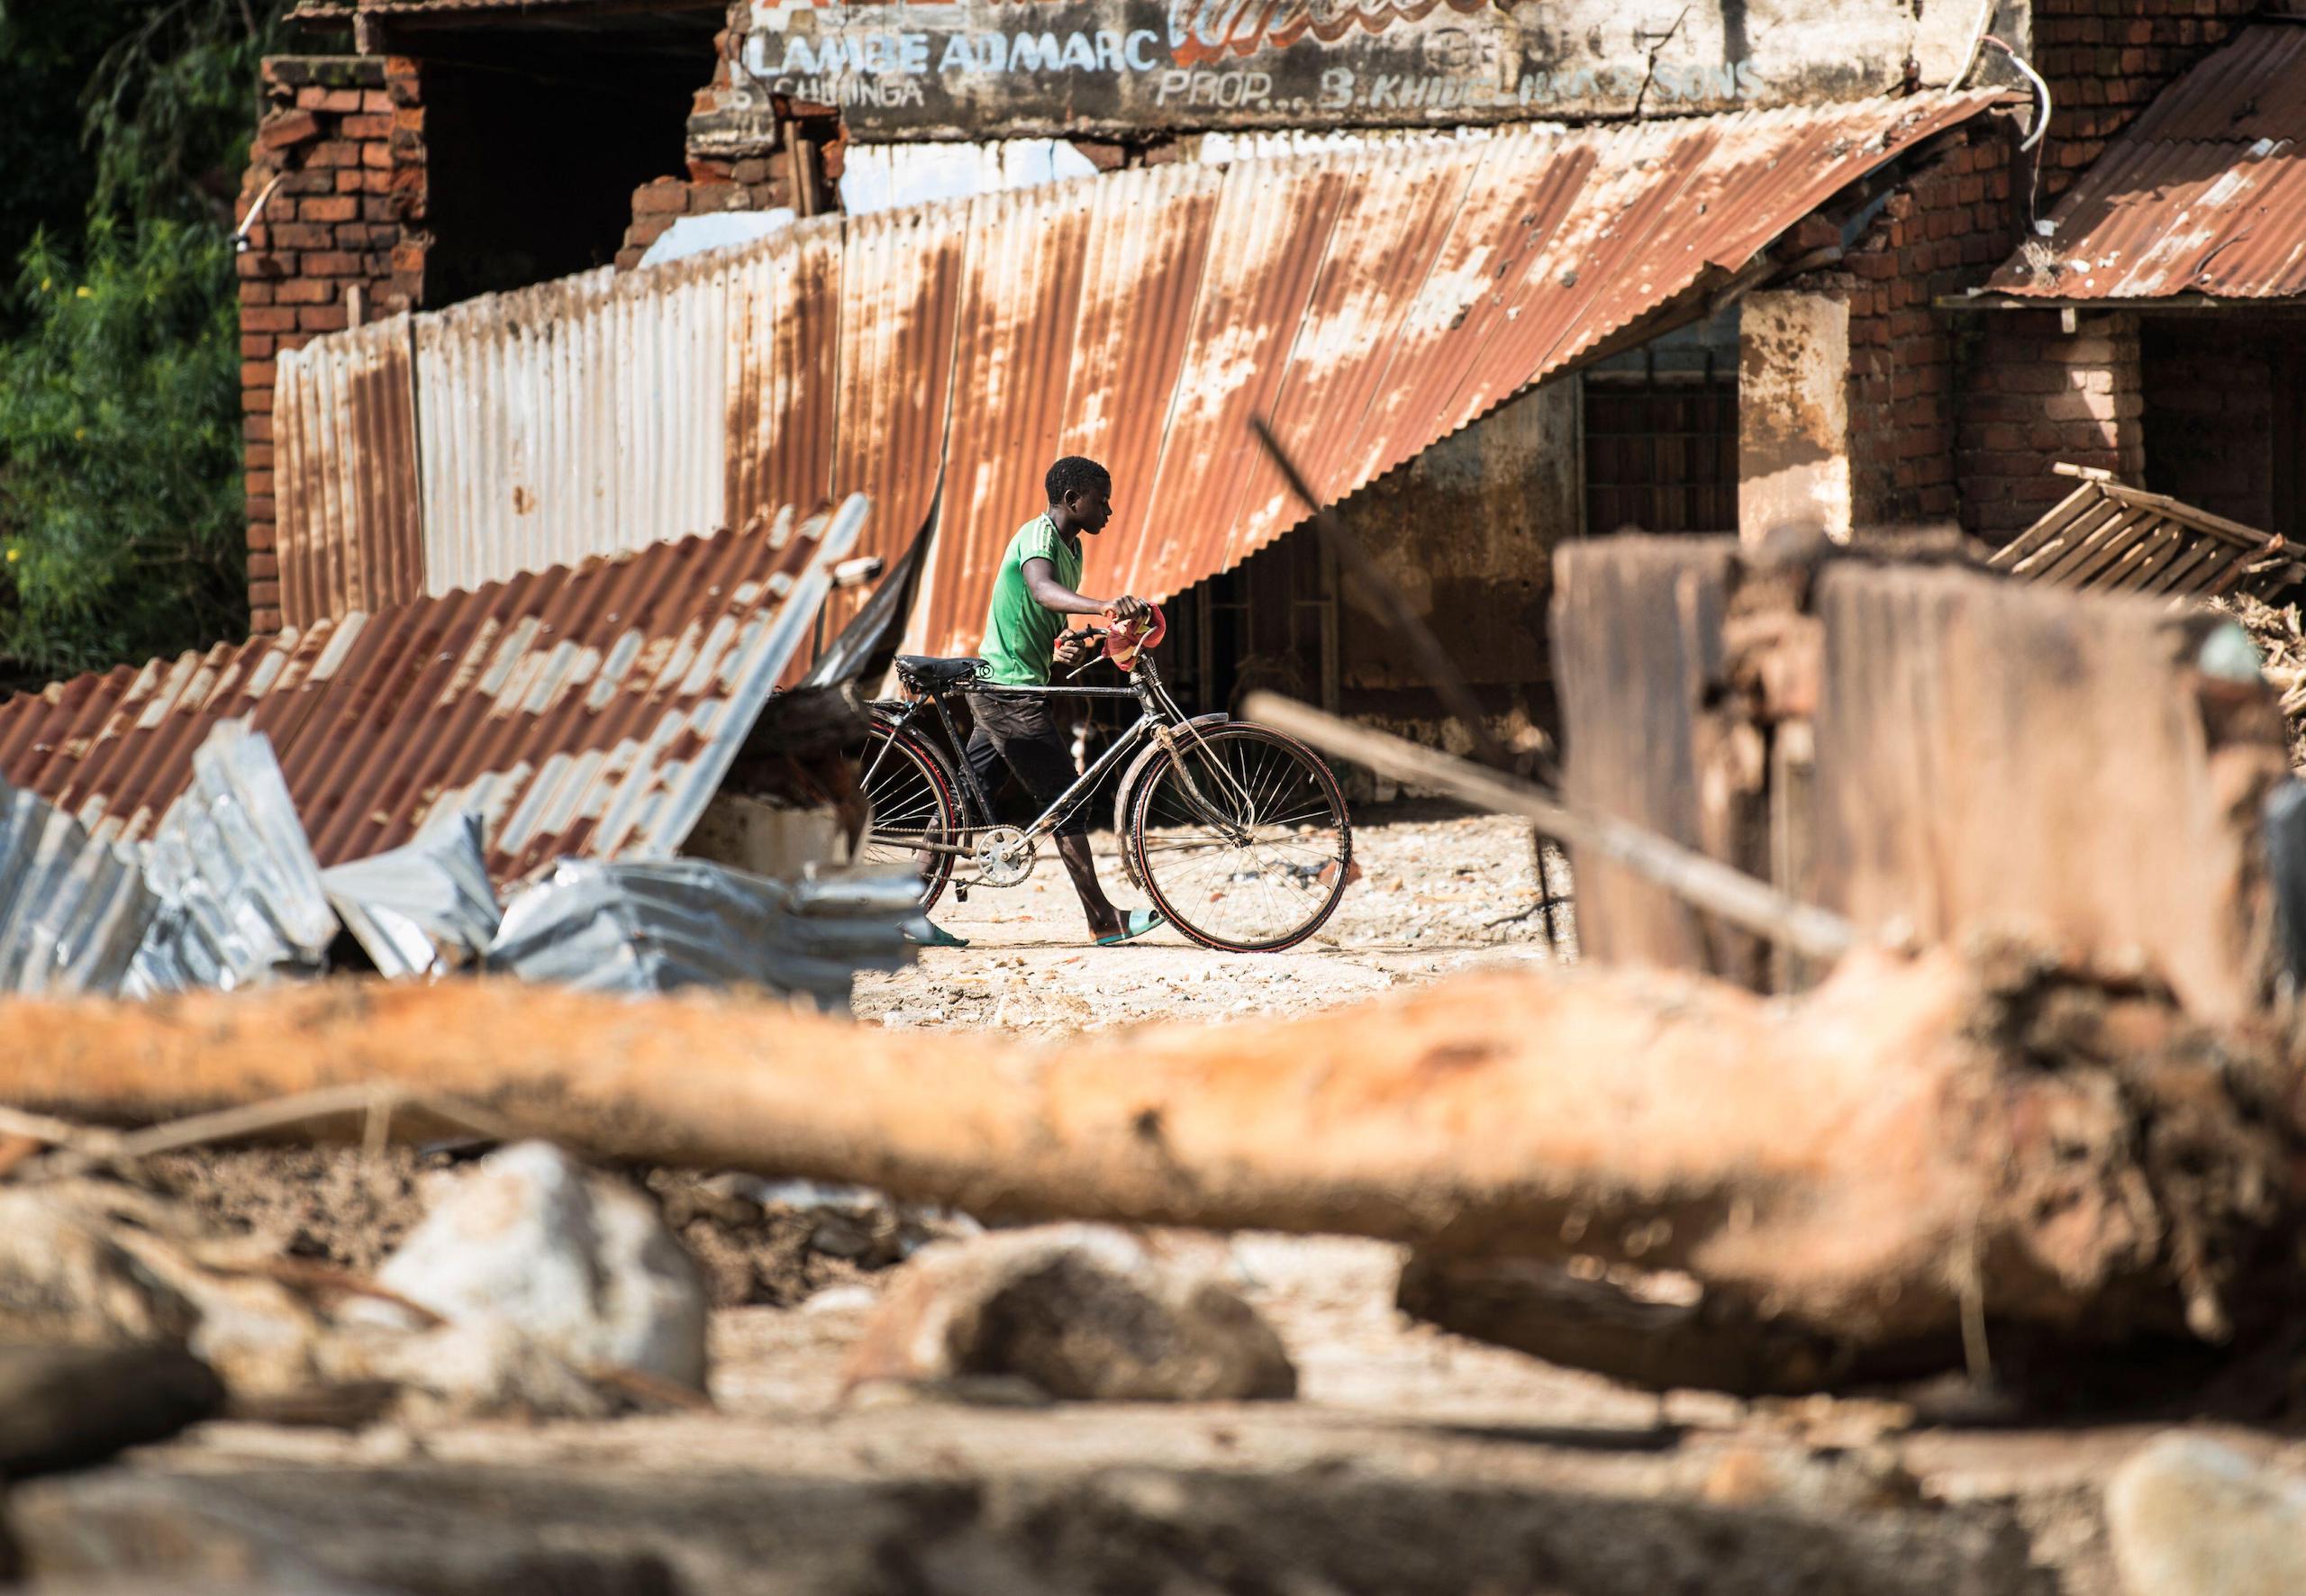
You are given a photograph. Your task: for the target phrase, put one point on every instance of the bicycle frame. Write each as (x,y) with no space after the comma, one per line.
(1152,722)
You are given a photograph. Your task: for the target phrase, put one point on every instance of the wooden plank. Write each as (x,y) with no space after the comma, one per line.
(1637,634)
(2145,554)
(2072,569)
(2067,511)
(2080,536)
(2184,569)
(1979,749)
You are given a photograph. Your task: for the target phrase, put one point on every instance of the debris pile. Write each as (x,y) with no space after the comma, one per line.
(532,1287)
(2279,634)
(227,895)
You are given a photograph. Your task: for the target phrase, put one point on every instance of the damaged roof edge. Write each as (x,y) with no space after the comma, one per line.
(588,711)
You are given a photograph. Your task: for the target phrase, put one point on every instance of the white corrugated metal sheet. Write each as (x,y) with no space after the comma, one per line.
(579,417)
(344,473)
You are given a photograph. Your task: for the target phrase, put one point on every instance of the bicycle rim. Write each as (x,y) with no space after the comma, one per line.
(1251,855)
(911,800)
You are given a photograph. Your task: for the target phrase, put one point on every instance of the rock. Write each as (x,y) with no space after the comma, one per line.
(579,1263)
(1082,1311)
(65,1278)
(2189,1518)
(487,1367)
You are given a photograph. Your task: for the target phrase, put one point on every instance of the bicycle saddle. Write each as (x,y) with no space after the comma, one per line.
(929,671)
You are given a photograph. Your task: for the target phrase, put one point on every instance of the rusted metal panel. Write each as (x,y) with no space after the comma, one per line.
(571,419)
(781,399)
(351,520)
(1013,355)
(1962,787)
(988,69)
(899,292)
(2107,535)
(1373,300)
(2206,194)
(587,712)
(1637,642)
(1142,267)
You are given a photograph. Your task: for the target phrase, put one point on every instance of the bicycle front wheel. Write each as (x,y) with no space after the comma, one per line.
(1242,841)
(911,800)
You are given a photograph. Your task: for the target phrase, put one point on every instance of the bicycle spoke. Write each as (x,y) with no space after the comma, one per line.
(1273,870)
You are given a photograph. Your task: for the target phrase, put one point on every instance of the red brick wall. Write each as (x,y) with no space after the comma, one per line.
(2035,395)
(345,137)
(1942,231)
(750,183)
(2106,59)
(2211,385)
(787,159)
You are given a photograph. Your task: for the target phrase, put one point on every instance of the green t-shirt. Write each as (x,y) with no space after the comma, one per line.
(1020,636)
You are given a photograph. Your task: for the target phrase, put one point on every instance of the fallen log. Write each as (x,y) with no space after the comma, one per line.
(1914,1146)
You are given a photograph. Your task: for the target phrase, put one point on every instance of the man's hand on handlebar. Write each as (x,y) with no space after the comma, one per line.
(1126,608)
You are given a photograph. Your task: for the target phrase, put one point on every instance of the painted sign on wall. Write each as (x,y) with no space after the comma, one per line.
(985,69)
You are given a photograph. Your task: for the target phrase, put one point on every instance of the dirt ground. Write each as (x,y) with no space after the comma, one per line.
(1441,892)
(1412,1461)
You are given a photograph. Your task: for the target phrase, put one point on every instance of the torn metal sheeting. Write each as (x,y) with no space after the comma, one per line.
(242,890)
(2106,535)
(588,711)
(73,910)
(425,908)
(659,927)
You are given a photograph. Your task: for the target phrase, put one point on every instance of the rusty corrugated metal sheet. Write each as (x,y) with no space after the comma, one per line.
(781,399)
(2206,194)
(587,712)
(2105,535)
(571,419)
(345,474)
(1373,300)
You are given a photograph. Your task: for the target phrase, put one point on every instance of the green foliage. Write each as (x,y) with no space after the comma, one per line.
(120,495)
(120,513)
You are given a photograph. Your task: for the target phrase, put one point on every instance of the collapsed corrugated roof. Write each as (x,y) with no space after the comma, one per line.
(2206,194)
(586,711)
(2106,535)
(1372,301)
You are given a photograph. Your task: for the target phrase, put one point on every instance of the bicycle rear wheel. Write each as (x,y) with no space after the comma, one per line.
(913,801)
(1253,852)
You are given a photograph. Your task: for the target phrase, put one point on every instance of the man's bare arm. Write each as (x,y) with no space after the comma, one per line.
(1050,594)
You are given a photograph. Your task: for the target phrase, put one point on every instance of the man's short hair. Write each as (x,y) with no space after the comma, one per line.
(1076,473)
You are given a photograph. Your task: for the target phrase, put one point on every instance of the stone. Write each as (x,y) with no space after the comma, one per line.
(1084,1313)
(581,1264)
(66,1278)
(2188,1517)
(479,1368)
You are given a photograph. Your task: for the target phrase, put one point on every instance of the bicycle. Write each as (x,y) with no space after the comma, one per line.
(1238,833)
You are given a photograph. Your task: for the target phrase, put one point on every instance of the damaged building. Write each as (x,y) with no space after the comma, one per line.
(1501,285)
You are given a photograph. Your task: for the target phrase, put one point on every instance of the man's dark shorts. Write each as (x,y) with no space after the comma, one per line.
(1021,733)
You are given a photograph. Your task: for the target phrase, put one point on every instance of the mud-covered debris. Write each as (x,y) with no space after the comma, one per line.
(779,1243)
(1083,1312)
(2279,633)
(2188,1517)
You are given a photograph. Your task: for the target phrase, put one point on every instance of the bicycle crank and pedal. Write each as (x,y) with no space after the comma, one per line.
(1004,856)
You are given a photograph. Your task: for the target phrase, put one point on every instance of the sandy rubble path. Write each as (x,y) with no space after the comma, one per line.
(1441,892)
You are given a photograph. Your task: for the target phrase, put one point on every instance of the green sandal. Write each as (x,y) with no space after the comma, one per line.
(928,933)
(1134,923)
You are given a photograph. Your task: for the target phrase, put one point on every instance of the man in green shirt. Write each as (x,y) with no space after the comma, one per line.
(1035,591)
